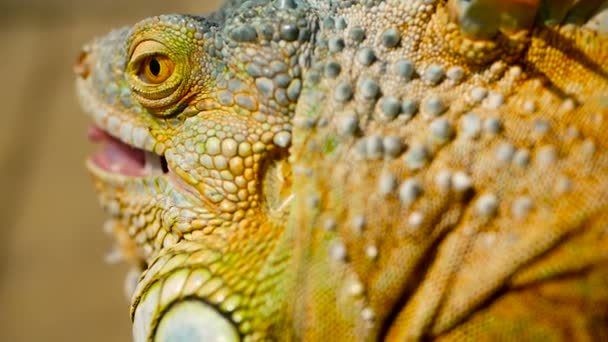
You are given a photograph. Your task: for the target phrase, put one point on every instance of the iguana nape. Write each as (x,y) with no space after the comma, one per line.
(358,170)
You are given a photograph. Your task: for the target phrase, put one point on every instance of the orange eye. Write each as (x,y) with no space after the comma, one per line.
(156,69)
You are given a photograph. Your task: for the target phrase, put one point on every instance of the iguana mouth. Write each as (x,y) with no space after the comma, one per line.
(118,157)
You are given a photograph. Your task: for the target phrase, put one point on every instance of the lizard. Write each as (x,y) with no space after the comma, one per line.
(358,170)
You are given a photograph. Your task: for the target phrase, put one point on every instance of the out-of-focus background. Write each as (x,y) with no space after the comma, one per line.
(54,283)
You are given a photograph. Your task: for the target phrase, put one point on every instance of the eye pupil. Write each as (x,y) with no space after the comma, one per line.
(154,66)
(153,69)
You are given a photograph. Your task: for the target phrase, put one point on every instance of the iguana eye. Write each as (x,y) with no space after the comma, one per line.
(156,69)
(158,75)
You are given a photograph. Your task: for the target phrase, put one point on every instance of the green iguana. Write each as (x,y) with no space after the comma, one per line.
(358,170)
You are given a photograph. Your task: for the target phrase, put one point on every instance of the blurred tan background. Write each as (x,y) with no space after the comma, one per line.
(54,283)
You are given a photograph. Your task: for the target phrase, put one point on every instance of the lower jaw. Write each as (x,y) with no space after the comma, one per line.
(120,180)
(112,178)
(123,196)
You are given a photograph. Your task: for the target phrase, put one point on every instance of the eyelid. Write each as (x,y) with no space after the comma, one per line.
(147,49)
(138,62)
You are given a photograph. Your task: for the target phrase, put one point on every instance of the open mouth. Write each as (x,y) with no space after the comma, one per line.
(117,157)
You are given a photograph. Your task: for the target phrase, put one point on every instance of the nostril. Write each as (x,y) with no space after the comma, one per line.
(83,65)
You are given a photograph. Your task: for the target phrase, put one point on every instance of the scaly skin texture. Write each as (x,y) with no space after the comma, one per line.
(360,171)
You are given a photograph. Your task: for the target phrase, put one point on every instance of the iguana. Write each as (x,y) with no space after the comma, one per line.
(358,170)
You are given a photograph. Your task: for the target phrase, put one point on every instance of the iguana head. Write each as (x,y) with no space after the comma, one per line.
(194,122)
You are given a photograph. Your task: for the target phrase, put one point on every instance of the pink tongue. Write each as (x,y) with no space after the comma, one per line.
(116,156)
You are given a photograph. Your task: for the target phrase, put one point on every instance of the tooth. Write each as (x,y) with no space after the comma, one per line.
(125,132)
(114,126)
(152,166)
(99,116)
(139,137)
(149,142)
